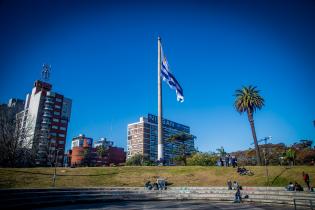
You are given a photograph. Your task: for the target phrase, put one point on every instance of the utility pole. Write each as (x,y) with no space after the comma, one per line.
(55,171)
(265,157)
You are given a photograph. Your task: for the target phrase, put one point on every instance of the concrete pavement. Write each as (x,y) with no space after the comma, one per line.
(178,205)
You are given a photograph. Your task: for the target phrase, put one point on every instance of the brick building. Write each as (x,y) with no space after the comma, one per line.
(83,153)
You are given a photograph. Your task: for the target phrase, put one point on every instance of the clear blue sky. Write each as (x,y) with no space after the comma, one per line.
(104,57)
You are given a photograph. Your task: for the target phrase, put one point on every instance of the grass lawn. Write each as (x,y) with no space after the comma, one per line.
(137,176)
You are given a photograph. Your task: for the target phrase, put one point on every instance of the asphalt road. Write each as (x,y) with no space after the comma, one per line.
(179,205)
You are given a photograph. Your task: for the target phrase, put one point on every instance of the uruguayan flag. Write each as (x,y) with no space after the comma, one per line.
(169,78)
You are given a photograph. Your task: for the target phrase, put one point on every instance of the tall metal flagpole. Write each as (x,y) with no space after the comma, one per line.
(160,129)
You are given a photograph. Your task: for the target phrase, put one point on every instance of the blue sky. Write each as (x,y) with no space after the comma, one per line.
(104,57)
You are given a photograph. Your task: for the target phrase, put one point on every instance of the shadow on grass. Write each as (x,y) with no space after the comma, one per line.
(278,176)
(49,174)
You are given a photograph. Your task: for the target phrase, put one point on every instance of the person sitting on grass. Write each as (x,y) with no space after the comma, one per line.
(290,187)
(297,187)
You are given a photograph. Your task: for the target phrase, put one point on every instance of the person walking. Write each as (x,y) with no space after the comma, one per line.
(306,179)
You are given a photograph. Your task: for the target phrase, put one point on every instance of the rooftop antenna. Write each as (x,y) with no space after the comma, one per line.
(46,72)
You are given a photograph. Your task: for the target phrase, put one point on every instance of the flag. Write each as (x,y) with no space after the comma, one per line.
(169,78)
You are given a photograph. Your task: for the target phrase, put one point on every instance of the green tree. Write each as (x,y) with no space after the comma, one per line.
(249,100)
(221,151)
(86,157)
(101,151)
(135,160)
(290,155)
(183,151)
(202,159)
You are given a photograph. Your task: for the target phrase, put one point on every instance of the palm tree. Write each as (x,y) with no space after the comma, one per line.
(101,151)
(221,151)
(248,100)
(290,156)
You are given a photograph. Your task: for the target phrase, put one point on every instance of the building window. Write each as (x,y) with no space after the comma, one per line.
(54,127)
(58,100)
(57,107)
(61,135)
(57,113)
(61,142)
(55,120)
(63,128)
(53,134)
(63,121)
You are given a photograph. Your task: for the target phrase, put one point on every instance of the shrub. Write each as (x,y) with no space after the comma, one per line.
(202,159)
(136,160)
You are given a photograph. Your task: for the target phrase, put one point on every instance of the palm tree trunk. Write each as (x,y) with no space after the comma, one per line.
(252,126)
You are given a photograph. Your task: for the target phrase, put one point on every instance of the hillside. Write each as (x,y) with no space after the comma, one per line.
(137,176)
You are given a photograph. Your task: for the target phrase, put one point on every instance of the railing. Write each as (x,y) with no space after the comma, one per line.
(302,199)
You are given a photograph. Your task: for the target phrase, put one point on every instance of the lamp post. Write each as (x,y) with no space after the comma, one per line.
(266,168)
(55,171)
(264,150)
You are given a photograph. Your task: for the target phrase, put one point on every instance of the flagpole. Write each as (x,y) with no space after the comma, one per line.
(160,129)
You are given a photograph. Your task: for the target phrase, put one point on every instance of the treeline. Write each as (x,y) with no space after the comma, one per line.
(300,153)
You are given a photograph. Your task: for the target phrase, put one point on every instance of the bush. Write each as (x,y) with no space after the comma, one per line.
(136,160)
(202,159)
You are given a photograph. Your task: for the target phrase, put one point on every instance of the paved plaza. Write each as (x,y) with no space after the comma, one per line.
(179,205)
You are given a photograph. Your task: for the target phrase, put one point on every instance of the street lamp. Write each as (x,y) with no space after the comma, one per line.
(55,172)
(264,150)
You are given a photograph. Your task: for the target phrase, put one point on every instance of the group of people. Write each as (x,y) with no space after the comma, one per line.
(297,187)
(244,171)
(227,161)
(294,187)
(160,184)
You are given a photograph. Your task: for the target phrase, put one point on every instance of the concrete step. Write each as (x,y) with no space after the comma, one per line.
(15,198)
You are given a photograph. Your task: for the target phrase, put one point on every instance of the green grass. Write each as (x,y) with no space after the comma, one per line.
(137,176)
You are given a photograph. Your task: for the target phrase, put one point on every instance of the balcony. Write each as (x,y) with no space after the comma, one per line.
(46,121)
(44,128)
(47,107)
(47,114)
(49,101)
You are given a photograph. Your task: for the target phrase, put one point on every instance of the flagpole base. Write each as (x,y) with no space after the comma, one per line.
(160,153)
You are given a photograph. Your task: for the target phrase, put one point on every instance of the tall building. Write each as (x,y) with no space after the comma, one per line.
(46,116)
(142,138)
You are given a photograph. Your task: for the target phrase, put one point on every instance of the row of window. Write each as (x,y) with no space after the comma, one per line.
(57,120)
(59,134)
(61,128)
